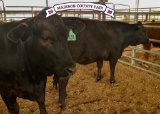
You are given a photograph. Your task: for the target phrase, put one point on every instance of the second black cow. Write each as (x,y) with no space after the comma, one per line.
(103,40)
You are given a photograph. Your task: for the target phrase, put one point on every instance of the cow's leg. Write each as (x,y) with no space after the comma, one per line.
(11,103)
(40,95)
(62,91)
(55,81)
(112,63)
(41,105)
(99,65)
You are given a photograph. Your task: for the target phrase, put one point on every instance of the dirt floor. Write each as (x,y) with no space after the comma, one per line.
(135,92)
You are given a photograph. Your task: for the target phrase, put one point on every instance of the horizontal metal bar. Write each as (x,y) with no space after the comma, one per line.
(19,11)
(157,13)
(151,26)
(152,52)
(150,63)
(147,8)
(151,72)
(154,40)
(85,12)
(122,5)
(144,50)
(126,56)
(26,6)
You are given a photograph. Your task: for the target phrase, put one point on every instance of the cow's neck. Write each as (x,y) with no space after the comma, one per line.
(34,70)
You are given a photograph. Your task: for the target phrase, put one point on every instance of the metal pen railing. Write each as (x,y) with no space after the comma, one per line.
(20,12)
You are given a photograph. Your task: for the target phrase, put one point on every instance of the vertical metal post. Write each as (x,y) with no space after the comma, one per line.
(149,14)
(46,3)
(102,14)
(114,10)
(32,10)
(134,47)
(4,11)
(136,15)
(133,55)
(74,13)
(93,15)
(142,16)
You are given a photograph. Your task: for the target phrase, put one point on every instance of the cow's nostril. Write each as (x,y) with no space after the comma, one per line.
(71,70)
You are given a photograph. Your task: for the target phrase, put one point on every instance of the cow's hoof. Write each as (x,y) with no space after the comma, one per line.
(99,78)
(112,81)
(63,107)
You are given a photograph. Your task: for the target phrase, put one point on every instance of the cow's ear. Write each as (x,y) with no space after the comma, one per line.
(139,23)
(76,25)
(17,33)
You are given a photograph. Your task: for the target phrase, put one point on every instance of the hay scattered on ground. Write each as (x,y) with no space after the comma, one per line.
(135,92)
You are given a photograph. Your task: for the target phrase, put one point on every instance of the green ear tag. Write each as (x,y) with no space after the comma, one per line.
(72,36)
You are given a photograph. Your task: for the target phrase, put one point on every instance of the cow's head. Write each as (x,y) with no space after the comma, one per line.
(139,34)
(45,41)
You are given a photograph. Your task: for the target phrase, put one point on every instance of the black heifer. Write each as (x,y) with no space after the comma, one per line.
(31,50)
(100,41)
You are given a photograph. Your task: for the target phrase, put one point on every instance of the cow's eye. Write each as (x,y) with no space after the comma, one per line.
(44,38)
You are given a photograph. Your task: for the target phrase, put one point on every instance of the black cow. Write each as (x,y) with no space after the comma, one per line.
(103,40)
(31,50)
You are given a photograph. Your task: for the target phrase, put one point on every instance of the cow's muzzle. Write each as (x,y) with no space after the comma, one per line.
(146,41)
(71,70)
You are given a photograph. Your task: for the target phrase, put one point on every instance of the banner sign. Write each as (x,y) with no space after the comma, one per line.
(80,5)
